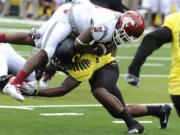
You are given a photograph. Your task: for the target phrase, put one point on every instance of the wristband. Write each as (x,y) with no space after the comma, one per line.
(80,42)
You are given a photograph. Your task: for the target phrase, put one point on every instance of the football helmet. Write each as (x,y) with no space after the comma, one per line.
(129,27)
(64,54)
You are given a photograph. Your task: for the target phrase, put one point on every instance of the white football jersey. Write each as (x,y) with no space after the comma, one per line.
(75,17)
(102,20)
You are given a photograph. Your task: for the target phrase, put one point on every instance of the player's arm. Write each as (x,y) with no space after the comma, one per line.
(16,38)
(150,43)
(85,43)
(26,38)
(84,38)
(68,85)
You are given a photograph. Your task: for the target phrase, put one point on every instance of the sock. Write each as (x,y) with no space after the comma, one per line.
(2,37)
(20,77)
(154,110)
(127,118)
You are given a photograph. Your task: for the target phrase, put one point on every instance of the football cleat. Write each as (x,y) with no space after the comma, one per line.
(13,91)
(132,80)
(164,116)
(136,128)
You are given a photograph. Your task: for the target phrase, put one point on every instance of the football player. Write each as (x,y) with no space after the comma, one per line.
(11,63)
(168,33)
(94,24)
(96,69)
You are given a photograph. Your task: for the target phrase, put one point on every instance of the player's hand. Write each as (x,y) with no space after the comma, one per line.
(29,89)
(34,33)
(99,50)
(132,80)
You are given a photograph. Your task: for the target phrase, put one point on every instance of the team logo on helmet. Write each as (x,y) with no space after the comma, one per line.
(127,21)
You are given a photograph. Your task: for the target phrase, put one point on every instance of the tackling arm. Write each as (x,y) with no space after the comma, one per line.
(68,85)
(85,43)
(84,38)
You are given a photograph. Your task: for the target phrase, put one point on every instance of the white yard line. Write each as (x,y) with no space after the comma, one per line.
(62,114)
(47,106)
(149,75)
(150,58)
(20,21)
(122,122)
(16,107)
(12,30)
(31,107)
(153,65)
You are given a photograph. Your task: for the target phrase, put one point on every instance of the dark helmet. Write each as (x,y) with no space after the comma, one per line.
(65,52)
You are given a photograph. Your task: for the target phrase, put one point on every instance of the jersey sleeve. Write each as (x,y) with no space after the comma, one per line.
(98,31)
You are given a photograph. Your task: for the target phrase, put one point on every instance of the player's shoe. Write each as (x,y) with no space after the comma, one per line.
(136,128)
(164,116)
(13,91)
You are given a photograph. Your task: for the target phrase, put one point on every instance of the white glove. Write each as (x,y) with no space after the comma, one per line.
(34,33)
(132,80)
(29,88)
(43,84)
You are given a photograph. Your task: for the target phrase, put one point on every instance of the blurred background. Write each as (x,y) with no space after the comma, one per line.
(153,11)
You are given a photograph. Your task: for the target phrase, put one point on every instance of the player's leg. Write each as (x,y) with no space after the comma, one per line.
(58,32)
(176,101)
(162,112)
(55,33)
(16,63)
(3,71)
(102,87)
(5,54)
(136,110)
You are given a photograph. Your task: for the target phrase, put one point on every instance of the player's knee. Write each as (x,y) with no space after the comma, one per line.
(99,92)
(43,56)
(101,95)
(42,53)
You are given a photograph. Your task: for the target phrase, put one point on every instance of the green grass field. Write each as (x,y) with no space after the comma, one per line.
(26,118)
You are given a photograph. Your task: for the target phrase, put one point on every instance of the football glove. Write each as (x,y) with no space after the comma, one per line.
(29,89)
(34,33)
(132,80)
